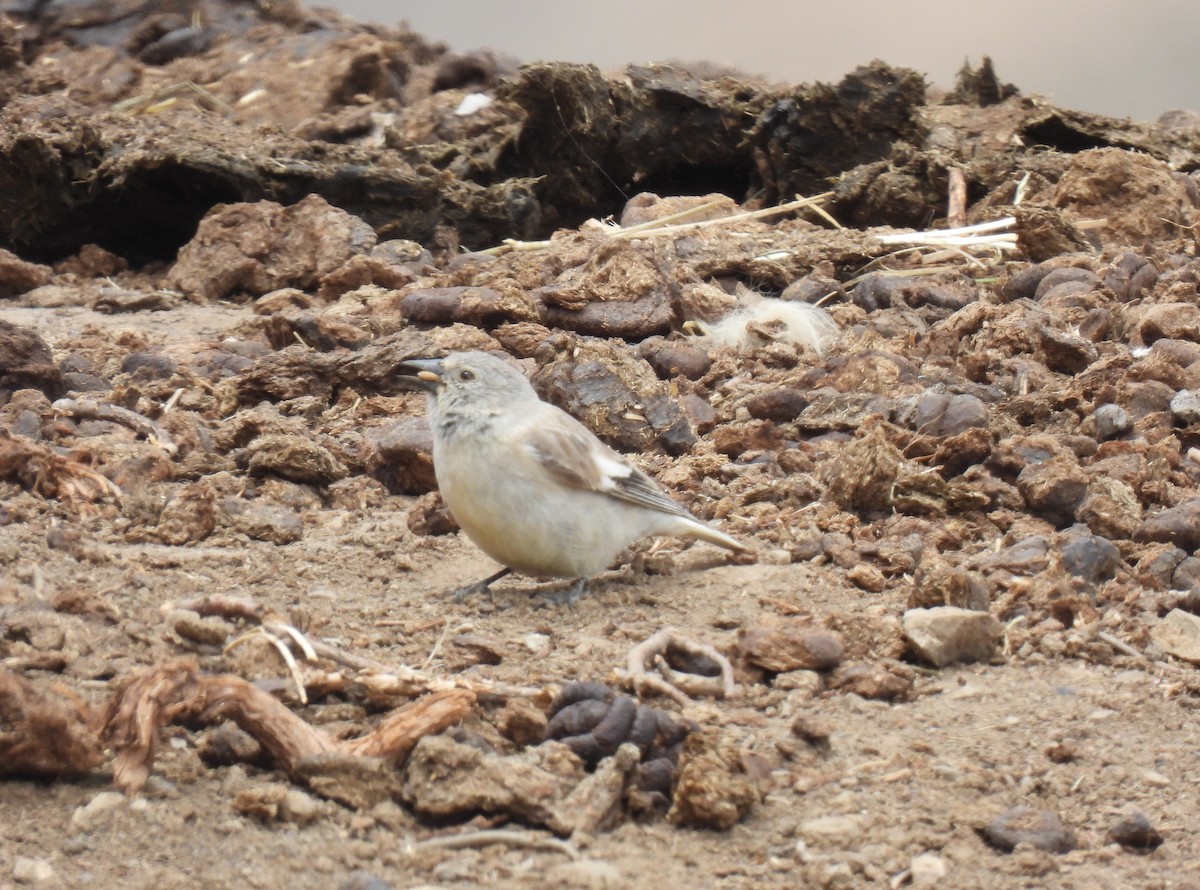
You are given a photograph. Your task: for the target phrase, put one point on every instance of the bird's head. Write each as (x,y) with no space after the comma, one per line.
(465,381)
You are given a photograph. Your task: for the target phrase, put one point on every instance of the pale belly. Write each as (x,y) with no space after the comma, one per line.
(541,528)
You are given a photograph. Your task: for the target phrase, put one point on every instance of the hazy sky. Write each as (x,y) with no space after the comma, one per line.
(1117,57)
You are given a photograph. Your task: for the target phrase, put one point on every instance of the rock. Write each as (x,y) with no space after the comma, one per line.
(940,414)
(97,811)
(927,870)
(1178,525)
(790,645)
(948,635)
(1025,825)
(1178,634)
(843,832)
(1089,556)
(26,361)
(586,874)
(27,870)
(1185,407)
(1053,488)
(1136,832)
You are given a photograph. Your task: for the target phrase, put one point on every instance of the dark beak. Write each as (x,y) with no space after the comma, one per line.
(422,374)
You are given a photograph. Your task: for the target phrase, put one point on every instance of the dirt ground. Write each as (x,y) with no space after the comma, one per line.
(968,471)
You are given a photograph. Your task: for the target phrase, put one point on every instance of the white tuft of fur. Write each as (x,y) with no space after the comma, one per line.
(759,321)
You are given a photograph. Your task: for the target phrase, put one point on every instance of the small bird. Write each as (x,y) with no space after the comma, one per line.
(531,485)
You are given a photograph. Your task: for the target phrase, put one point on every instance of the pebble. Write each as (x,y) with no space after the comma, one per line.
(536,642)
(927,870)
(1178,634)
(589,874)
(842,831)
(1040,829)
(97,811)
(1112,421)
(948,635)
(27,870)
(1135,831)
(1185,407)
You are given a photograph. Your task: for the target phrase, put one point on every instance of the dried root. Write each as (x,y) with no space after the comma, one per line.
(178,692)
(686,668)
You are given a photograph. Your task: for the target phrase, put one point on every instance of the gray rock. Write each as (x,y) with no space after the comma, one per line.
(1112,422)
(1025,825)
(1185,407)
(1178,525)
(949,635)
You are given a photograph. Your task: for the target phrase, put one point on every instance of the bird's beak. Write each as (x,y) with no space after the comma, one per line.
(423,374)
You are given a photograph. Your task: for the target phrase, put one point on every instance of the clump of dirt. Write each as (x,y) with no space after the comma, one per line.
(969,479)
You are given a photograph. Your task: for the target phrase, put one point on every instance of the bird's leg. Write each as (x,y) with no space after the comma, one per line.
(483,586)
(569,596)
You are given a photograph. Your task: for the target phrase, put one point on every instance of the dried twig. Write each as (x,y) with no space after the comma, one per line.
(499,836)
(659,227)
(139,423)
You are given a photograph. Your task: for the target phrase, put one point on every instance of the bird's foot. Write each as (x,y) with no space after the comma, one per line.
(569,596)
(484,586)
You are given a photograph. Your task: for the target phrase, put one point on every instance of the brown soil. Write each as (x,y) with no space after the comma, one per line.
(1013,437)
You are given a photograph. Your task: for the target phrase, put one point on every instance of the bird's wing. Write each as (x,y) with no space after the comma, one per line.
(573,456)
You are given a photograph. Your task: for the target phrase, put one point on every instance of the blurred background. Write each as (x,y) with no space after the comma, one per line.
(1109,56)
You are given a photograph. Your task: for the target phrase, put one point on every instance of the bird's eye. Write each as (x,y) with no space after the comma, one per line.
(466,374)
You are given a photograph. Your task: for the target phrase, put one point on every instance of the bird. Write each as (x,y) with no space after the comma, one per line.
(529,484)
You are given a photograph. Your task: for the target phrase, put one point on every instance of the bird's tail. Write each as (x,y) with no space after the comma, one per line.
(698,529)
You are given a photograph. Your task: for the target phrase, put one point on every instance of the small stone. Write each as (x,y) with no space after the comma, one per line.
(1112,422)
(300,808)
(97,811)
(27,870)
(1136,832)
(1053,488)
(843,832)
(1178,634)
(1185,407)
(586,874)
(948,635)
(868,577)
(1041,829)
(927,870)
(939,414)
(1089,556)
